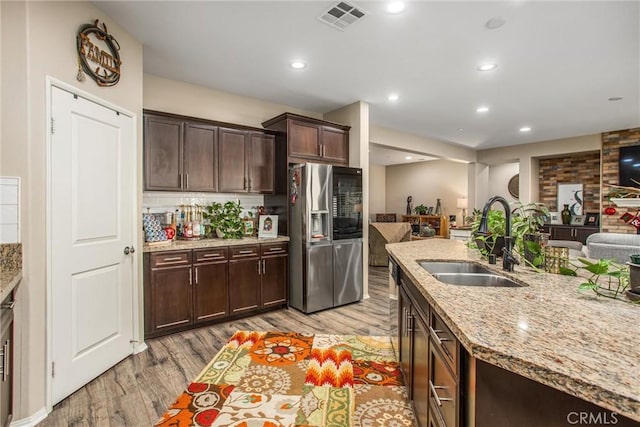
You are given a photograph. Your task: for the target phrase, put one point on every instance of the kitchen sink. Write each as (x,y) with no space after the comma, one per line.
(454,267)
(476,279)
(467,274)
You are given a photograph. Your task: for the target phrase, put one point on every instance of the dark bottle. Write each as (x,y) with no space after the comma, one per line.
(566,215)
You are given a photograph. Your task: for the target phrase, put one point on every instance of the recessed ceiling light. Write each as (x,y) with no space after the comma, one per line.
(525,129)
(408,158)
(615,98)
(460,130)
(482,109)
(298,65)
(496,22)
(395,7)
(488,66)
(393,97)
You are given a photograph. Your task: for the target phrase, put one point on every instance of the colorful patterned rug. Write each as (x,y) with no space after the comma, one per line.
(272,379)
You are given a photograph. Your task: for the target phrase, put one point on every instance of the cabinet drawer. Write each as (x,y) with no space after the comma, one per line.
(209,255)
(243,252)
(443,338)
(273,249)
(170,259)
(443,390)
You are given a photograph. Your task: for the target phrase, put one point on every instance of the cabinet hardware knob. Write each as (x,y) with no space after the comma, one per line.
(434,391)
(186,179)
(264,268)
(133,249)
(8,305)
(190,280)
(196,275)
(127,250)
(259,268)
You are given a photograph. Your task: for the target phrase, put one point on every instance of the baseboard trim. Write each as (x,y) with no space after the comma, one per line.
(31,421)
(140,348)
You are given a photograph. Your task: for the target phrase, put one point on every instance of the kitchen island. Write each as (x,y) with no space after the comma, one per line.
(547,332)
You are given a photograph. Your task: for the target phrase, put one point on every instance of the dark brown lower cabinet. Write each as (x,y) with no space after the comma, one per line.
(190,288)
(6,360)
(244,281)
(450,388)
(210,296)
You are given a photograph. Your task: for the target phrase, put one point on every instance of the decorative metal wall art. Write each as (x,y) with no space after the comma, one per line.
(98,54)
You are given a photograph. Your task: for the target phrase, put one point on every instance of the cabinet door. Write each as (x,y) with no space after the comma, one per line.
(200,157)
(6,361)
(304,140)
(562,233)
(171,298)
(581,234)
(162,153)
(211,298)
(261,163)
(443,391)
(244,285)
(335,145)
(274,281)
(233,166)
(404,318)
(420,371)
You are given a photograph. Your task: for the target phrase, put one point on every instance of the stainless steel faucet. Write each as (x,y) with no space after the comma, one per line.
(508,259)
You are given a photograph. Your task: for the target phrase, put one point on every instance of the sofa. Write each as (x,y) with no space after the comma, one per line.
(381,233)
(614,246)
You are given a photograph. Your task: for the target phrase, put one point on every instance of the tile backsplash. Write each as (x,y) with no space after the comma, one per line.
(9,209)
(163,201)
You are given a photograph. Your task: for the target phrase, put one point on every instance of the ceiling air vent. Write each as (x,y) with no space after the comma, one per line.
(342,15)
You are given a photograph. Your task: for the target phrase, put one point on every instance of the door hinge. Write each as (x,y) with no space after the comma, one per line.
(53,125)
(53,369)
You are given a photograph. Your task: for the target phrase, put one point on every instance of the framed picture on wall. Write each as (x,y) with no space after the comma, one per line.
(554,218)
(577,220)
(592,219)
(571,195)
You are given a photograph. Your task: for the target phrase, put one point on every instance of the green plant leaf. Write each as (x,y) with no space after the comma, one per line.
(568,272)
(587,285)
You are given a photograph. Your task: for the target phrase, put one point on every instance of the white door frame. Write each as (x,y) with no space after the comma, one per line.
(138,343)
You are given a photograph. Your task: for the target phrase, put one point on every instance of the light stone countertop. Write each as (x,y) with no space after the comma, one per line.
(178,245)
(584,345)
(10,268)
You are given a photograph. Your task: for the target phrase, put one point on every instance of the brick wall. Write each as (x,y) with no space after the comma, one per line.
(611,141)
(575,169)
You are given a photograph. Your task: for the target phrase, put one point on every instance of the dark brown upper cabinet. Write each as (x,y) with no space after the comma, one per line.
(163,141)
(247,161)
(200,157)
(310,140)
(187,154)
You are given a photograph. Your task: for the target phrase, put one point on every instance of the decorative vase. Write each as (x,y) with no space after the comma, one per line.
(438,207)
(566,215)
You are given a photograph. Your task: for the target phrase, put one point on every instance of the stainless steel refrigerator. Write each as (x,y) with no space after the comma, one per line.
(325,248)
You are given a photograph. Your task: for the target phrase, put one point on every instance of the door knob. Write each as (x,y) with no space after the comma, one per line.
(133,249)
(127,250)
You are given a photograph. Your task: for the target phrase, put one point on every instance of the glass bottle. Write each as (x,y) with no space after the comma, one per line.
(566,215)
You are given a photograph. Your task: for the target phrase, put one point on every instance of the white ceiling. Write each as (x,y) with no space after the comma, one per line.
(558,62)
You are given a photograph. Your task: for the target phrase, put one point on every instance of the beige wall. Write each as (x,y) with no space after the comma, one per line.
(39,39)
(499,176)
(377,190)
(177,97)
(426,182)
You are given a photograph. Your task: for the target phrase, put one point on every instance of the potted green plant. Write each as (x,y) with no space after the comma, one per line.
(527,221)
(494,241)
(225,219)
(420,209)
(605,277)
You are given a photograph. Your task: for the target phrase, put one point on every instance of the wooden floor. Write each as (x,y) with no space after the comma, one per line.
(138,390)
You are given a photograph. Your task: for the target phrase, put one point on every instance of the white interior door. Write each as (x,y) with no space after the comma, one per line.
(92,187)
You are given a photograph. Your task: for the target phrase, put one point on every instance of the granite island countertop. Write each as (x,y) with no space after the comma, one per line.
(586,346)
(178,245)
(10,268)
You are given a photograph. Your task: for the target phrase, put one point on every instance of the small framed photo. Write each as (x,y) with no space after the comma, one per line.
(554,218)
(577,220)
(592,218)
(249,227)
(268,226)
